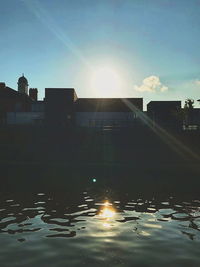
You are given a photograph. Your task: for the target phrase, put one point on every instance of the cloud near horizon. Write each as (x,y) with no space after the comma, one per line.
(197,82)
(151,84)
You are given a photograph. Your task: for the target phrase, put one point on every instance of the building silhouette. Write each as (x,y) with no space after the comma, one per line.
(33,93)
(61,107)
(165,113)
(16,103)
(23,85)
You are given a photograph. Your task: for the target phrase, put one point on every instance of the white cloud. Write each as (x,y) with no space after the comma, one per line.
(151,84)
(163,88)
(197,82)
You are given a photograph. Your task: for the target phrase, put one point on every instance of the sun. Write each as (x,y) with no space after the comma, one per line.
(105,82)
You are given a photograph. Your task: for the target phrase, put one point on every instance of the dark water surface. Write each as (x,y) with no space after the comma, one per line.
(95,228)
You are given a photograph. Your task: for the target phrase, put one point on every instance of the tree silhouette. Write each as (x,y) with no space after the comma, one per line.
(188,110)
(189,104)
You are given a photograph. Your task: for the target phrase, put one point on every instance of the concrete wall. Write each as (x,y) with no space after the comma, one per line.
(24,118)
(105,119)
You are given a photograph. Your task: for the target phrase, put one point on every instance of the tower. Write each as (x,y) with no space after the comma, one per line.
(23,85)
(33,92)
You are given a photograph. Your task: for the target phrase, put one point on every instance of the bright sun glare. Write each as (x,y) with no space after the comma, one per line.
(107,211)
(105,82)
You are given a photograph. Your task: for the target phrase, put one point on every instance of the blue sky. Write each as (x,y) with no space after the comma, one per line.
(151,45)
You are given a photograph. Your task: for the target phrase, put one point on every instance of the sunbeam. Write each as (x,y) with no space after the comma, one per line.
(42,14)
(167,137)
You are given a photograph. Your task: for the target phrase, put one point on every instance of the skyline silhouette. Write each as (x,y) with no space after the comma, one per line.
(149,48)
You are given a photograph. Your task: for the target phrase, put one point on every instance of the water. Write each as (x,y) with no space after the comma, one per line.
(95,228)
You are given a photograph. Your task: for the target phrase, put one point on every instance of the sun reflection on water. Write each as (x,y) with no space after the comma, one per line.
(107,212)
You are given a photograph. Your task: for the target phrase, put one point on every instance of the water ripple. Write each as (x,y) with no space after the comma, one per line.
(104,223)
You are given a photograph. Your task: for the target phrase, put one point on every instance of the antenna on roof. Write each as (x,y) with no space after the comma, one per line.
(23,74)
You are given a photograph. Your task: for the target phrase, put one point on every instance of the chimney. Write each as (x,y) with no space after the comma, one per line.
(2,85)
(33,93)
